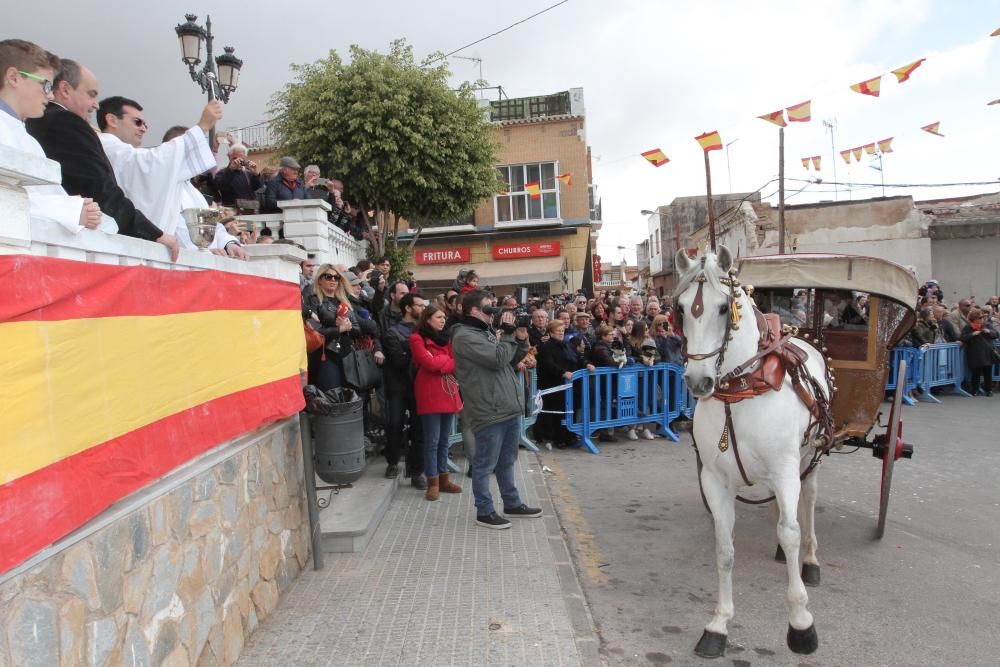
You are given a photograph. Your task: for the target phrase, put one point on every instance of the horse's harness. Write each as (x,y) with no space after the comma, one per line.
(776,357)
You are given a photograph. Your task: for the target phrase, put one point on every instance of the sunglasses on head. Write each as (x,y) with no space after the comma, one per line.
(328,276)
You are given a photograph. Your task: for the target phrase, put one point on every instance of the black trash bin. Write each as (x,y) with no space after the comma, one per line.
(339,442)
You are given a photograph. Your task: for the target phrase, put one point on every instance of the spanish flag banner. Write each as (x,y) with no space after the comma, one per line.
(566,179)
(656,157)
(933,128)
(903,73)
(776,117)
(113,376)
(885,146)
(800,113)
(805,162)
(869,148)
(846,154)
(816,160)
(869,87)
(710,141)
(856,152)
(533,189)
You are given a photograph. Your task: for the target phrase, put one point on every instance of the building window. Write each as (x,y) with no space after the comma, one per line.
(517,204)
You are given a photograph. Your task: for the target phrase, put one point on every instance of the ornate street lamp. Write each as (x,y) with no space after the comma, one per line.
(219,76)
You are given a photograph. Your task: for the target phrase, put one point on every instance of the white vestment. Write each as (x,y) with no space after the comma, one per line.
(47,202)
(157,180)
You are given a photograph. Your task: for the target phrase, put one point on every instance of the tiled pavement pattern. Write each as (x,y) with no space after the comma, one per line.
(432,588)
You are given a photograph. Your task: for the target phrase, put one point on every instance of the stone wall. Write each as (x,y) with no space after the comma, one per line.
(180,573)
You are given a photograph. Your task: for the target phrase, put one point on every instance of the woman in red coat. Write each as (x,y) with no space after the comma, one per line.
(436,391)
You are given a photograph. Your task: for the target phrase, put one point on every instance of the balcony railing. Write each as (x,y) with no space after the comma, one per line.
(258,137)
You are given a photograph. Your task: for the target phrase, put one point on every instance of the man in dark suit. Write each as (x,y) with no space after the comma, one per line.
(67,137)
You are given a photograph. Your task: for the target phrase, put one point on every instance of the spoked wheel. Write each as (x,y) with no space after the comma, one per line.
(893,448)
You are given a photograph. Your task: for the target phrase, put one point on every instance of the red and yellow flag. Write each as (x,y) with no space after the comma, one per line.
(567,179)
(933,128)
(856,152)
(533,189)
(869,148)
(885,145)
(800,113)
(846,154)
(108,389)
(805,162)
(816,160)
(710,141)
(903,73)
(776,117)
(869,87)
(656,157)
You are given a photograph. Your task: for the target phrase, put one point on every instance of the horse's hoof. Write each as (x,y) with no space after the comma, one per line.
(803,641)
(711,645)
(810,574)
(779,555)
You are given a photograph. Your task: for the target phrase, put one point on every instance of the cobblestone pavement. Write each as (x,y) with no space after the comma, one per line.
(432,588)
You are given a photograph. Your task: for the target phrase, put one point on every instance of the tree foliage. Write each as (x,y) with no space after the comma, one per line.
(402,141)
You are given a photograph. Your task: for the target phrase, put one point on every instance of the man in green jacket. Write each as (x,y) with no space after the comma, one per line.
(493,402)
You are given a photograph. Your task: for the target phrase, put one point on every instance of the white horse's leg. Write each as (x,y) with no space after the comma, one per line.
(801,631)
(721,500)
(807,512)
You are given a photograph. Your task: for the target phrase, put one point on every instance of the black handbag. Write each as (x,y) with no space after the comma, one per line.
(360,370)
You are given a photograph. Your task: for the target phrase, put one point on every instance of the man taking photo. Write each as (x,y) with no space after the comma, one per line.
(485,368)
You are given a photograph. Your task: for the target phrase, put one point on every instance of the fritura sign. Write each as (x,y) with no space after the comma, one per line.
(446,256)
(519,250)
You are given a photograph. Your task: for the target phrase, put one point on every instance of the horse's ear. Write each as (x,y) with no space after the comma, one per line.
(682,261)
(725,259)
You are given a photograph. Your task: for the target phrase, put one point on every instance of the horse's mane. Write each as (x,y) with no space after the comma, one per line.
(710,269)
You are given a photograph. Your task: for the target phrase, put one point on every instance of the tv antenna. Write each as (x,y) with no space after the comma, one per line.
(478,61)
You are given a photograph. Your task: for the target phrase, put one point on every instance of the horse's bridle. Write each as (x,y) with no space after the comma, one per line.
(732,322)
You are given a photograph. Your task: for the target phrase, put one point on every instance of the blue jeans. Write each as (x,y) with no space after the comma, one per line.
(496,451)
(437,429)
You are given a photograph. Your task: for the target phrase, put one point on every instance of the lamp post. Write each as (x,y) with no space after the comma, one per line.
(219,76)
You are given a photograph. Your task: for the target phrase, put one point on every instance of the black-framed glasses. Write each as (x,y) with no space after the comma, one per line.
(328,276)
(46,84)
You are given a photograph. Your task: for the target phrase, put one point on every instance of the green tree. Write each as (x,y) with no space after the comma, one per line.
(403,142)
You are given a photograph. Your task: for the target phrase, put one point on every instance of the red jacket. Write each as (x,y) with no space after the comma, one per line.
(435,386)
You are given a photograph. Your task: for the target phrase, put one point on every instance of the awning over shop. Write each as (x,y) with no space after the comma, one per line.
(506,272)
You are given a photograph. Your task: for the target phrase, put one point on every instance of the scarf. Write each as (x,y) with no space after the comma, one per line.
(976,326)
(474,322)
(437,337)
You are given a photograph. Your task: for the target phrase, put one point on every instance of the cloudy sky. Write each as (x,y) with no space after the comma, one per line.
(654,73)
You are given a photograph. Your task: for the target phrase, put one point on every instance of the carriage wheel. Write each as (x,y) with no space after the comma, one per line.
(893,442)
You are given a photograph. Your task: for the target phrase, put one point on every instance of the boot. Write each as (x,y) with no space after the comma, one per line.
(432,489)
(447,486)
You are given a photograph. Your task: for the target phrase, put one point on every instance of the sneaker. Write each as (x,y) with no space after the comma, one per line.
(522,511)
(419,481)
(647,434)
(392,471)
(492,520)
(632,435)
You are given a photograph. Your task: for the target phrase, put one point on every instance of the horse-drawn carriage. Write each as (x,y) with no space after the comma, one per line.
(781,379)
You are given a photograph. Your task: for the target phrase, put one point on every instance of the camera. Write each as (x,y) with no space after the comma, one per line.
(244,163)
(521,317)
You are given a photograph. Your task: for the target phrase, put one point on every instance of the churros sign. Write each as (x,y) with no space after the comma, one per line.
(521,250)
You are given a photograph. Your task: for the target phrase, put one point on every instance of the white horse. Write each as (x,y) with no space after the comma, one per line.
(763,443)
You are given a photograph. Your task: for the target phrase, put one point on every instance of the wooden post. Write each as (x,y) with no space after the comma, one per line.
(781,191)
(711,208)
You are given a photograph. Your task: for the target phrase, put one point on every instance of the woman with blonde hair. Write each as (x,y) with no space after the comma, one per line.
(333,318)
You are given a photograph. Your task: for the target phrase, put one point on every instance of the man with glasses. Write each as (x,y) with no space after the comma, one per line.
(156,179)
(25,88)
(65,133)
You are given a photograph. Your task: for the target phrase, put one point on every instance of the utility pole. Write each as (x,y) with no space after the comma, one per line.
(781,191)
(711,208)
(832,126)
(729,172)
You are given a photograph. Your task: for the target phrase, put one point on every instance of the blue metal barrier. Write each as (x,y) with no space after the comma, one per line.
(941,365)
(914,361)
(529,385)
(611,397)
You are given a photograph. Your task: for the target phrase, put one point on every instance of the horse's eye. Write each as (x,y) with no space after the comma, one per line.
(723,309)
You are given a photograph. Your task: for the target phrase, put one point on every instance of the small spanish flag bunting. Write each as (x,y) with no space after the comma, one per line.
(567,179)
(856,152)
(813,161)
(710,141)
(846,154)
(869,148)
(656,157)
(776,117)
(933,128)
(869,87)
(533,189)
(903,73)
(805,163)
(816,160)
(885,146)
(800,113)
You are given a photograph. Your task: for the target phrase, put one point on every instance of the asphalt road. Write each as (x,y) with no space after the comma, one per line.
(928,593)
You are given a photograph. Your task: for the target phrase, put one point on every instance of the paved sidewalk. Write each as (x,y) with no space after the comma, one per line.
(432,588)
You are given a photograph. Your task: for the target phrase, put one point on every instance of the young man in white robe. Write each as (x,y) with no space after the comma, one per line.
(157,180)
(27,71)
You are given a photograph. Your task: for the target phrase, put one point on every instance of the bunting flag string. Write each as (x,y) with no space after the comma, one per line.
(816,161)
(710,141)
(776,117)
(805,162)
(903,73)
(869,87)
(813,161)
(856,152)
(885,145)
(656,157)
(566,179)
(533,189)
(933,128)
(846,154)
(869,148)
(800,113)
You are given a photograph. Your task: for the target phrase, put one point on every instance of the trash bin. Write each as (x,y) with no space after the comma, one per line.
(339,442)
